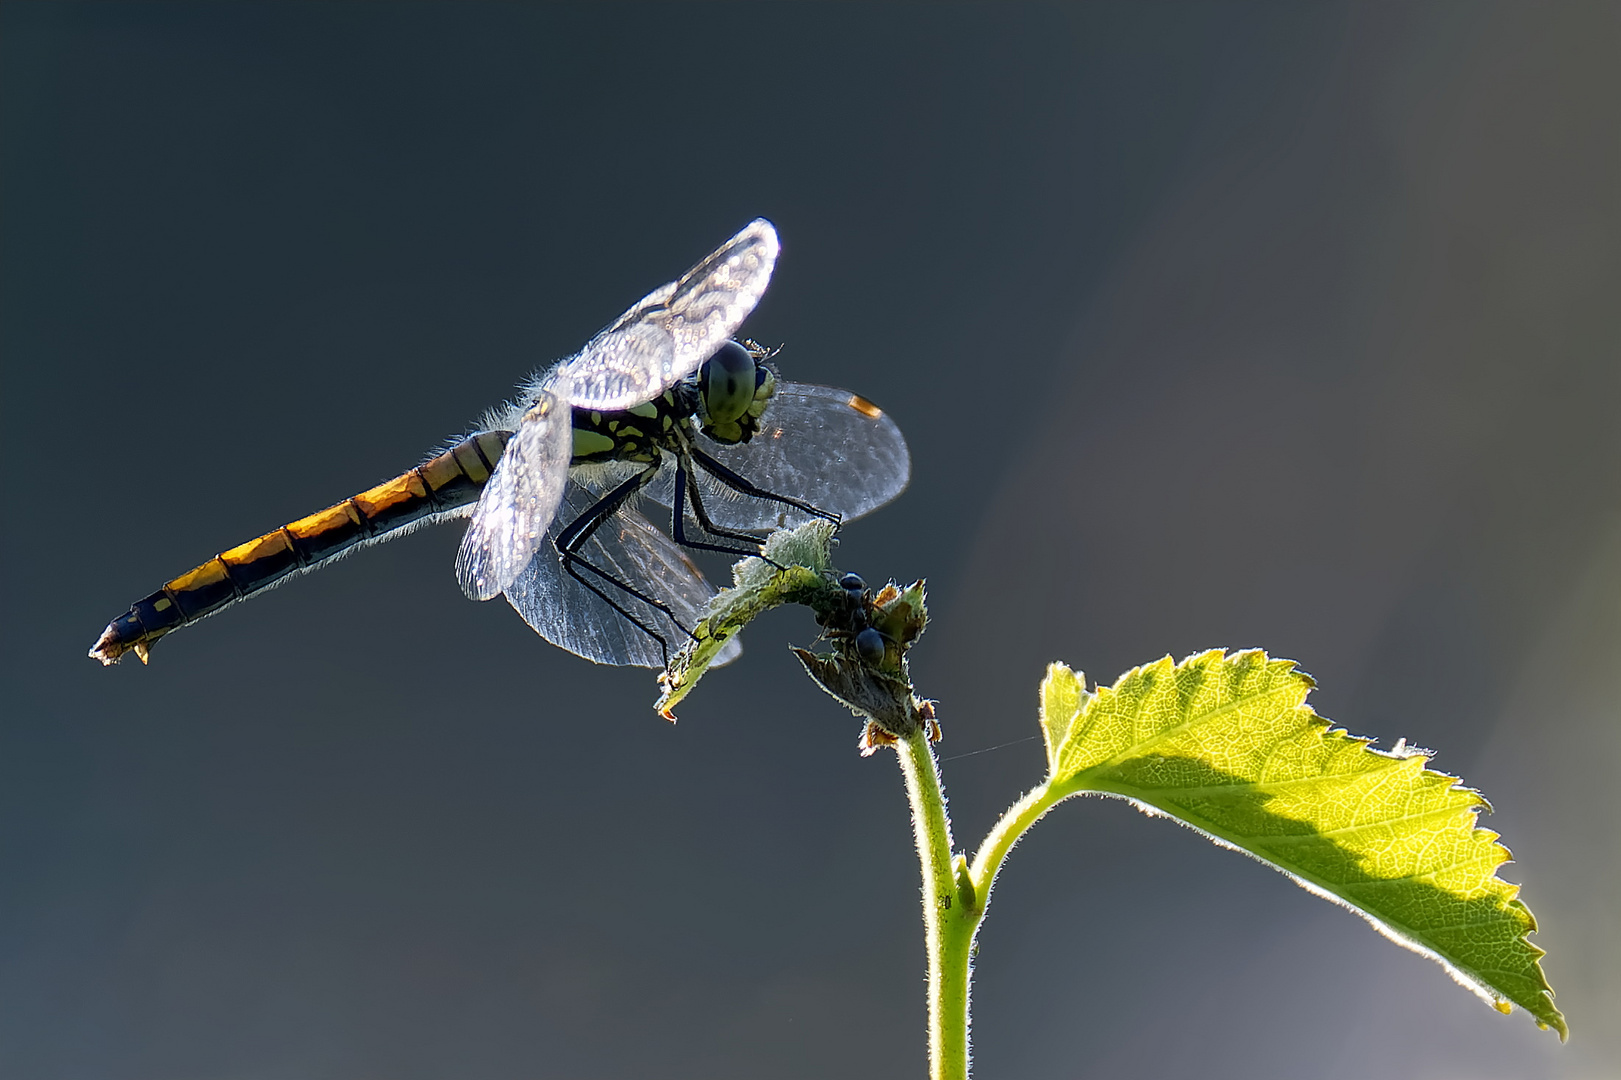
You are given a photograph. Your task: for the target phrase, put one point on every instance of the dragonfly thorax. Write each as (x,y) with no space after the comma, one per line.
(640,433)
(727,396)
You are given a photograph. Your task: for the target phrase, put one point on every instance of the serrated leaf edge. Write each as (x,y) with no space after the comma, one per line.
(1073,785)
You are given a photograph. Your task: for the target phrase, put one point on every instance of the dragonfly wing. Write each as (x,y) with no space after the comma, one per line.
(827,447)
(676,327)
(520,499)
(629,547)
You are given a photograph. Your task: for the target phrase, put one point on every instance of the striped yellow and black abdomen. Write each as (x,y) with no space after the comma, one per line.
(451,480)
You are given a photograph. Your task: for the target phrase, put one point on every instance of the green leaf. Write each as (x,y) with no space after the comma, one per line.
(1226,744)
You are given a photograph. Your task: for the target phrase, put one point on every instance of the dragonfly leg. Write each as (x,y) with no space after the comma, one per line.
(664,644)
(569,541)
(685,485)
(743,486)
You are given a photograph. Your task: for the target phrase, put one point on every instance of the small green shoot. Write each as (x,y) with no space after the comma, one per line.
(797,569)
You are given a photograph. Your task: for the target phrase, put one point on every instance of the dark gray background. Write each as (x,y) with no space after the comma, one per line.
(1280,325)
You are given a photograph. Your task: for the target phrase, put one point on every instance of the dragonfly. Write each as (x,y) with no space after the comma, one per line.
(664,404)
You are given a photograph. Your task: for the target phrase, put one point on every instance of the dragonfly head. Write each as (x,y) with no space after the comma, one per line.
(734,386)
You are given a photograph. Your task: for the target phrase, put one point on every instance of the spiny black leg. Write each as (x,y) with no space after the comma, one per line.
(739,484)
(569,541)
(664,646)
(580,529)
(702,515)
(685,483)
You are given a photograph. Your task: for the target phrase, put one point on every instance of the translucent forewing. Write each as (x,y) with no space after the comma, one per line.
(675,328)
(520,500)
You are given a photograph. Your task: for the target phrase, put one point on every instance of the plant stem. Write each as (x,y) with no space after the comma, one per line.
(1004,834)
(950,912)
(954,897)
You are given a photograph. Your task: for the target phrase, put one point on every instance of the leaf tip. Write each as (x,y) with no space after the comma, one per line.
(1058,673)
(1063,698)
(1547,1016)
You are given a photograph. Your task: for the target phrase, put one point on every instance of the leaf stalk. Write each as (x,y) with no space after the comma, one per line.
(993,851)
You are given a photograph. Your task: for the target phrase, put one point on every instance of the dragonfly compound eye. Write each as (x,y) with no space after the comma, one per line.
(727,382)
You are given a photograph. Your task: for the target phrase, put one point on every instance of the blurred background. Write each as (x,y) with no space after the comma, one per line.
(1276,325)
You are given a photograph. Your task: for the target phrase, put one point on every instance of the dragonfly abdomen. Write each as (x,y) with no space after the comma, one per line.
(451,480)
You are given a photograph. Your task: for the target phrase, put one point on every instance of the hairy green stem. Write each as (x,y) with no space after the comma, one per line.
(954,897)
(1004,834)
(950,913)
